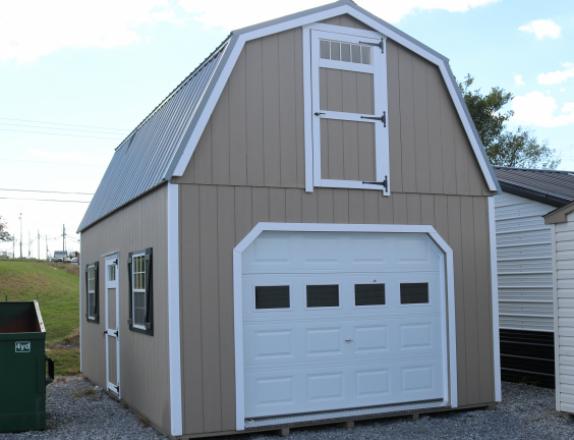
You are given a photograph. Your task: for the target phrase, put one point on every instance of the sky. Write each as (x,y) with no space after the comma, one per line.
(76,76)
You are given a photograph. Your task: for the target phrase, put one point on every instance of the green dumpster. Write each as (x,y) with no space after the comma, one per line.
(23,364)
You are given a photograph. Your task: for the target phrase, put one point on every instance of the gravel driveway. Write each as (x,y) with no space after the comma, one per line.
(77,410)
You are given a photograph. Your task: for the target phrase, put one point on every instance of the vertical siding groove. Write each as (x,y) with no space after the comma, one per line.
(252,170)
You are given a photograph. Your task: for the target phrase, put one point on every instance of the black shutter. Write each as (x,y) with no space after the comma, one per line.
(96,318)
(97,292)
(149,290)
(86,297)
(130,281)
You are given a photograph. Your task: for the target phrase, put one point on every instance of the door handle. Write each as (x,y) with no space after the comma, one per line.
(348,340)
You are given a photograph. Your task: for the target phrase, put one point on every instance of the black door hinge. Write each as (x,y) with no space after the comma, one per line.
(383,183)
(382,118)
(380,44)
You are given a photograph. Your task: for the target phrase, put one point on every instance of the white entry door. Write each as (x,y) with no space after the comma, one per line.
(112,332)
(336,320)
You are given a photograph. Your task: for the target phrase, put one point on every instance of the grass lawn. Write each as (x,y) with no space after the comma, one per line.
(55,287)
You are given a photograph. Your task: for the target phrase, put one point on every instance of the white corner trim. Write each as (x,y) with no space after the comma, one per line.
(174,330)
(81,303)
(556,326)
(236,47)
(307,109)
(450,400)
(494,296)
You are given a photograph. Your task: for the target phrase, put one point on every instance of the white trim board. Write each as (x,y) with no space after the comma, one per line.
(495,311)
(451,388)
(174,329)
(240,37)
(312,35)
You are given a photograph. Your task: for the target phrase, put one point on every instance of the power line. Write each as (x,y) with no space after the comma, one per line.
(106,137)
(44,200)
(36,121)
(46,191)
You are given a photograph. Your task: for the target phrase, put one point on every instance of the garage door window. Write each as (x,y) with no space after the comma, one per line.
(369,294)
(414,293)
(272,297)
(326,295)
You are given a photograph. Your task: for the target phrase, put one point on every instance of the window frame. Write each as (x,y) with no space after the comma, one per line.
(147,326)
(95,316)
(312,64)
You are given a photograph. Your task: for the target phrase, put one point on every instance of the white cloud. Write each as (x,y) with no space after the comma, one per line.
(542,29)
(557,76)
(30,29)
(233,15)
(519,80)
(541,110)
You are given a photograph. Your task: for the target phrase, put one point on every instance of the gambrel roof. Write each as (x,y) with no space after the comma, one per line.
(162,145)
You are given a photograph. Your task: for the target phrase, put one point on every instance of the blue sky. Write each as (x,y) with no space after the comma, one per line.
(76,77)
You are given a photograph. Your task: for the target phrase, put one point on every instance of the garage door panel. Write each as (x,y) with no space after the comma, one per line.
(323,342)
(372,345)
(373,386)
(325,389)
(270,344)
(371,339)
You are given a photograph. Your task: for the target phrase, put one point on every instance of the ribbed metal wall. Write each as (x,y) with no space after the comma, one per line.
(524,264)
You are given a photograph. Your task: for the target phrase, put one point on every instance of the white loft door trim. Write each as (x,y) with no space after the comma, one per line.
(451,385)
(313,112)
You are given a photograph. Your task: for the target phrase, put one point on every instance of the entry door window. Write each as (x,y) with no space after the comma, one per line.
(349,111)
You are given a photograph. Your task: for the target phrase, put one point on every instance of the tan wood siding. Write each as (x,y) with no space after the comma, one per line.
(255,135)
(215,218)
(144,379)
(346,20)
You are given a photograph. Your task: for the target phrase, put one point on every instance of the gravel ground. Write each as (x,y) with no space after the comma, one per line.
(77,410)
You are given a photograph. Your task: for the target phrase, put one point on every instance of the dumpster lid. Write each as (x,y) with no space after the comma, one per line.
(21,317)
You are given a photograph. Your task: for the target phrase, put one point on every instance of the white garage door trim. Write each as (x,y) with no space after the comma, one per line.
(450,385)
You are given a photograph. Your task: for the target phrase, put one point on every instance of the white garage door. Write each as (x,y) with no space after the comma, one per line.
(337,320)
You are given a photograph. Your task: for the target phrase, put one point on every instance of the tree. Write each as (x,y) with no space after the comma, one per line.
(504,146)
(4,234)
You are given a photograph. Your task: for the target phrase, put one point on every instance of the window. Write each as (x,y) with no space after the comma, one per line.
(323,295)
(343,51)
(414,293)
(272,297)
(112,272)
(369,294)
(92,293)
(347,145)
(141,291)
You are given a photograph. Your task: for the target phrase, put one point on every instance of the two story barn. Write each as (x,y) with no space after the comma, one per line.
(302,231)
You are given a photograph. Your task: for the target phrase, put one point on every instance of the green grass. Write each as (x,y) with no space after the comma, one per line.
(55,287)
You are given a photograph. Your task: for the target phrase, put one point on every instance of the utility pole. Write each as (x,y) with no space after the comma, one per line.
(47,250)
(38,238)
(13,247)
(20,218)
(29,244)
(64,238)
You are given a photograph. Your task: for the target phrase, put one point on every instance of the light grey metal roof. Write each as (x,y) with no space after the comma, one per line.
(148,156)
(142,160)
